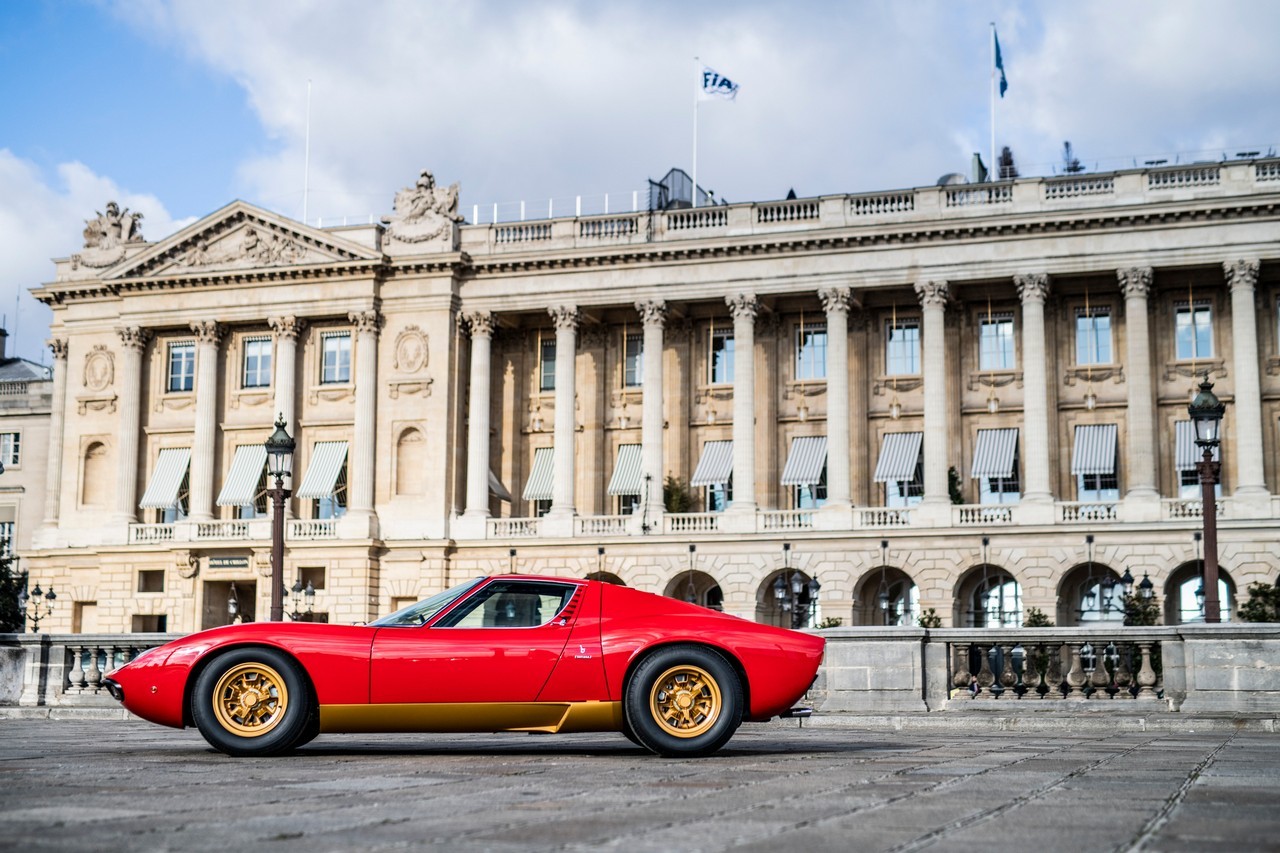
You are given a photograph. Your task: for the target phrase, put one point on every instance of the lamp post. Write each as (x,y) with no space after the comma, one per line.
(279,465)
(303,596)
(36,607)
(1206,414)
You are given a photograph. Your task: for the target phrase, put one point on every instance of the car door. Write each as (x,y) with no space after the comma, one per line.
(499,644)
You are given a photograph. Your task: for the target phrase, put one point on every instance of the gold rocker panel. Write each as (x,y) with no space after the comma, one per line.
(548,717)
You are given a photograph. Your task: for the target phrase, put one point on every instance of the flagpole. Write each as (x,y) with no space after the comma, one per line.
(993,170)
(697,70)
(306,158)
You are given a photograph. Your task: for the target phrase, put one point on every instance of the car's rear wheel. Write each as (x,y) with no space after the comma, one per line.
(684,701)
(252,702)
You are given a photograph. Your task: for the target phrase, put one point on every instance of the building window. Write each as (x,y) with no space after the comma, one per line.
(720,358)
(11,448)
(905,493)
(182,367)
(336,365)
(6,538)
(719,496)
(257,363)
(902,348)
(628,504)
(541,507)
(811,351)
(1190,609)
(996,350)
(334,505)
(814,495)
(633,361)
(1189,485)
(997,602)
(547,366)
(261,499)
(1193,331)
(181,506)
(1097,487)
(1093,336)
(1001,490)
(151,580)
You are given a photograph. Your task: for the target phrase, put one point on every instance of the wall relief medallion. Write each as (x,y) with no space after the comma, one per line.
(99,368)
(426,216)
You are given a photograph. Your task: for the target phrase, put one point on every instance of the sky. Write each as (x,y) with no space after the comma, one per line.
(177,107)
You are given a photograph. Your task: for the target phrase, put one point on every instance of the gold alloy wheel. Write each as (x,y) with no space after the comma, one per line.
(250,699)
(685,701)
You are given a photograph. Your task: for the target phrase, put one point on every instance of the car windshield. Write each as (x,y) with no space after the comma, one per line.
(421,612)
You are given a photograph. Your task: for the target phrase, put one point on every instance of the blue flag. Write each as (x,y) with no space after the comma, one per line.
(1004,84)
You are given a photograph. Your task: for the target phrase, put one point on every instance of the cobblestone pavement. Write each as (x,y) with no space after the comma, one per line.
(114,785)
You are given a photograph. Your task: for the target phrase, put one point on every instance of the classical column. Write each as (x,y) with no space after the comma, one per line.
(363,458)
(1135,282)
(653,315)
(566,319)
(860,324)
(1033,289)
(286,331)
(481,324)
(933,301)
(133,341)
(744,308)
(1242,278)
(208,334)
(835,301)
(53,474)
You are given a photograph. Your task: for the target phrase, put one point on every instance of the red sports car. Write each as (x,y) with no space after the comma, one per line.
(506,653)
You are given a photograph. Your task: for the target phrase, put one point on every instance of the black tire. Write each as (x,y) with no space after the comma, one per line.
(253,702)
(628,733)
(683,701)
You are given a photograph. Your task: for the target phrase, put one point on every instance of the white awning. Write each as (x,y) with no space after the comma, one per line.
(496,488)
(166,479)
(716,465)
(1188,455)
(1094,451)
(246,472)
(994,453)
(899,456)
(627,477)
(542,476)
(327,459)
(805,463)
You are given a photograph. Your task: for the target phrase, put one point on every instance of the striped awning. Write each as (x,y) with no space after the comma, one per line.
(716,465)
(496,488)
(246,471)
(993,456)
(166,479)
(1094,451)
(806,461)
(627,476)
(541,477)
(327,459)
(899,455)
(1187,454)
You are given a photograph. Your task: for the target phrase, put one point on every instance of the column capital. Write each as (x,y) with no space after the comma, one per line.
(207,331)
(480,323)
(287,327)
(1032,287)
(653,312)
(134,337)
(1135,281)
(59,348)
(835,299)
(1242,273)
(365,321)
(565,317)
(743,305)
(933,293)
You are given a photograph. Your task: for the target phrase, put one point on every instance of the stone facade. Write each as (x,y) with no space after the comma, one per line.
(945,311)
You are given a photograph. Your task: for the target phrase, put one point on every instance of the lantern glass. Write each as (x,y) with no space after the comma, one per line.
(280,447)
(1206,413)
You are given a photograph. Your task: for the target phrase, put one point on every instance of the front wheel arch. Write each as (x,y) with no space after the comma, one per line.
(213,654)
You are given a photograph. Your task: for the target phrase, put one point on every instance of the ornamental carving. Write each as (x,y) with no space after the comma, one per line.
(1033,287)
(425,213)
(411,350)
(365,321)
(653,312)
(287,328)
(253,248)
(186,564)
(59,348)
(1135,282)
(480,323)
(835,299)
(99,368)
(133,338)
(594,335)
(1243,273)
(743,306)
(933,294)
(564,317)
(207,331)
(106,235)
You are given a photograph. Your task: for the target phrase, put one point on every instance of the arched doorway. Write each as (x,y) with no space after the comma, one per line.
(887,596)
(788,598)
(1090,594)
(696,587)
(988,597)
(1183,594)
(607,577)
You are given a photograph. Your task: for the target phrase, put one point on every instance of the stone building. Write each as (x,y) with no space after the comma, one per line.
(964,397)
(25,396)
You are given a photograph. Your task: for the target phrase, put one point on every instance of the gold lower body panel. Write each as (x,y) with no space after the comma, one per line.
(548,717)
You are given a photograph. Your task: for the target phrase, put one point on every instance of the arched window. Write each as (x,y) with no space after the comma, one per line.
(1090,593)
(788,599)
(95,487)
(1184,594)
(411,462)
(696,587)
(996,600)
(887,596)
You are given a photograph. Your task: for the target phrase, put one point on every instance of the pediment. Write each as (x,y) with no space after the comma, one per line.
(239,237)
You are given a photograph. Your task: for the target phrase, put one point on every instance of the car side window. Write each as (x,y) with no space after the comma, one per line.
(510,604)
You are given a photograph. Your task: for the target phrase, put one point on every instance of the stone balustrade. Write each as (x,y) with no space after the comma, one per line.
(66,669)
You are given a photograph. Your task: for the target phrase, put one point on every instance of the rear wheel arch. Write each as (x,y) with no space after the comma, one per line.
(729,657)
(213,654)
(683,699)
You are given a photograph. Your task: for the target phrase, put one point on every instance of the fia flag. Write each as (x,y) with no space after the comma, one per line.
(1004,84)
(714,85)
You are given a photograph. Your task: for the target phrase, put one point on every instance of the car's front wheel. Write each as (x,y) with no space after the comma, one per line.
(252,702)
(684,701)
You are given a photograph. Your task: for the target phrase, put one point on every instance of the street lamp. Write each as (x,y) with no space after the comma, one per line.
(1206,414)
(303,596)
(279,465)
(36,606)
